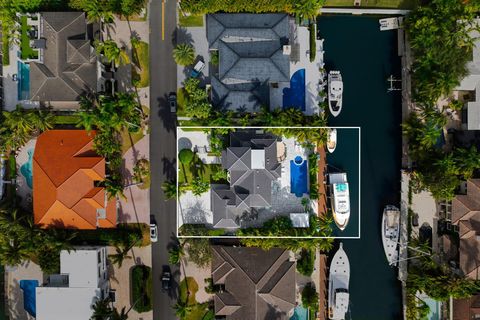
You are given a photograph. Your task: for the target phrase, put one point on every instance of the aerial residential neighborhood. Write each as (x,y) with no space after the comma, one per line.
(253,160)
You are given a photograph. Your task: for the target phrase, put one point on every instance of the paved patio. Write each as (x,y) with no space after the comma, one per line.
(136,207)
(198,142)
(194,209)
(120,280)
(26,271)
(425,206)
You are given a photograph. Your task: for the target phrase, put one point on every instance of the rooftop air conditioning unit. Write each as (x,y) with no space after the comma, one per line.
(287,49)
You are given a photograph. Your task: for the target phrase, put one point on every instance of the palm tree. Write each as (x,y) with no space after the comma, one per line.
(14,251)
(467,160)
(120,255)
(176,254)
(112,52)
(184,54)
(102,310)
(182,309)
(170,189)
(96,12)
(307,9)
(122,315)
(41,120)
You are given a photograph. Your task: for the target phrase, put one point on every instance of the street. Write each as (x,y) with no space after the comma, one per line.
(162,150)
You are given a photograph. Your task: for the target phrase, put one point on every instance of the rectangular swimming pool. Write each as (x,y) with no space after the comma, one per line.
(23,76)
(298,176)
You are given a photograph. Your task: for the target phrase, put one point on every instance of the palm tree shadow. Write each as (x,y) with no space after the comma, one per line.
(169,167)
(168,117)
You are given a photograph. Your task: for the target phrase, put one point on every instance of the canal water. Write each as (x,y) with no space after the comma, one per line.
(366,57)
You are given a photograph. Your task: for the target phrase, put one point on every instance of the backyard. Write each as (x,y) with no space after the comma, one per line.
(26,51)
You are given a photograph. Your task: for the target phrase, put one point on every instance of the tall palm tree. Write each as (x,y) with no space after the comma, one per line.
(102,309)
(112,52)
(170,189)
(182,309)
(184,54)
(176,254)
(14,251)
(97,11)
(41,120)
(468,160)
(120,256)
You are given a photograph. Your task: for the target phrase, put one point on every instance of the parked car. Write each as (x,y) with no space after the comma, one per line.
(166,278)
(172,101)
(153,232)
(197,69)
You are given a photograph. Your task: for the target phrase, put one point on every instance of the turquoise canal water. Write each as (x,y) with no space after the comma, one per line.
(367,57)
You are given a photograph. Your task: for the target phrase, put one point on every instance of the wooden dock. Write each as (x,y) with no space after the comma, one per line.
(322,183)
(322,209)
(323,290)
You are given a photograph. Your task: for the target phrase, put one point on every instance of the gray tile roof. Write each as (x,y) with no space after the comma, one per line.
(258,284)
(69,64)
(250,57)
(249,187)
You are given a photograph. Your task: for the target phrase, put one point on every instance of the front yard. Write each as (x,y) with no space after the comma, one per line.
(190,20)
(197,311)
(198,169)
(140,66)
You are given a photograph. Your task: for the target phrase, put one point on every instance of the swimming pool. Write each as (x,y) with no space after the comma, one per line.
(295,95)
(300,313)
(23,81)
(435,307)
(298,176)
(29,297)
(26,169)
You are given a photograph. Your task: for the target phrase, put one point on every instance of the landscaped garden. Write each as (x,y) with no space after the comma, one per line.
(141,288)
(192,167)
(26,51)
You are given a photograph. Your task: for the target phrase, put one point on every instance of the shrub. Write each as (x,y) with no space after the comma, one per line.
(185,156)
(214,58)
(199,186)
(306,262)
(313,43)
(310,297)
(141,288)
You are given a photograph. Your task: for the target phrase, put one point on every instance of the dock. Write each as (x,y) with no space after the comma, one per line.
(323,290)
(322,183)
(322,258)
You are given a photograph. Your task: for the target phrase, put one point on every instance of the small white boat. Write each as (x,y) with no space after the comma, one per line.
(335,92)
(340,199)
(391,233)
(390,23)
(338,281)
(332,140)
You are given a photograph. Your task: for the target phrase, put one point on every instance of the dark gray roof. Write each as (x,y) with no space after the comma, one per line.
(252,163)
(258,284)
(250,56)
(69,61)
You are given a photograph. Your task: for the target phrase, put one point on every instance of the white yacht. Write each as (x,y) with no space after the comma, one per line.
(335,92)
(391,233)
(338,279)
(332,140)
(340,199)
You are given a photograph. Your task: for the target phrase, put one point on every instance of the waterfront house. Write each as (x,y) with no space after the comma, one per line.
(466,215)
(253,164)
(256,284)
(68,177)
(83,279)
(469,88)
(66,68)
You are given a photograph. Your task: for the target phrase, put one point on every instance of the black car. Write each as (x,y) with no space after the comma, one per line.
(166,278)
(172,101)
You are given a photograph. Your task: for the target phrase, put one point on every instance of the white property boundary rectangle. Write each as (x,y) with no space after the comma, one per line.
(274,237)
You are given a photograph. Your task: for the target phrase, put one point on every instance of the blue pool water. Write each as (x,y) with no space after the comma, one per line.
(29,298)
(23,81)
(300,313)
(298,176)
(434,306)
(295,95)
(26,169)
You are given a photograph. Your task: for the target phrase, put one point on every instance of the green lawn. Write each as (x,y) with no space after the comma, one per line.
(400,4)
(27,51)
(200,312)
(197,169)
(140,60)
(181,100)
(67,119)
(191,21)
(192,287)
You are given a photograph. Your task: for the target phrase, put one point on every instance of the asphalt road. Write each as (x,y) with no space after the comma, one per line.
(162,150)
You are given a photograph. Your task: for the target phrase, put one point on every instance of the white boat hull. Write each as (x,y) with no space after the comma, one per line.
(340,193)
(338,283)
(332,140)
(391,234)
(335,92)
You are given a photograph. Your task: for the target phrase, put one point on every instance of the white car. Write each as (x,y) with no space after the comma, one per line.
(153,232)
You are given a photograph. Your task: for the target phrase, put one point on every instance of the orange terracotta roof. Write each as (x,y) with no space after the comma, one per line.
(65,167)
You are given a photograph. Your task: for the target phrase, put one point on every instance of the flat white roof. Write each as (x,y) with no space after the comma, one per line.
(81,266)
(300,220)
(65,303)
(258,159)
